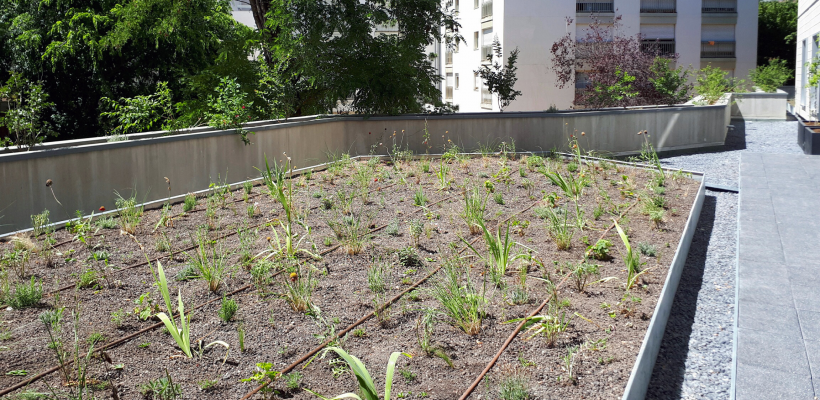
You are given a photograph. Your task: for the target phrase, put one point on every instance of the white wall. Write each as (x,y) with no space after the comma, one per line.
(746,37)
(808,25)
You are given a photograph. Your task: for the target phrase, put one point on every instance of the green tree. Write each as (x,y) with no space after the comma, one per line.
(769,77)
(27,107)
(500,80)
(84,50)
(322,53)
(230,108)
(777,31)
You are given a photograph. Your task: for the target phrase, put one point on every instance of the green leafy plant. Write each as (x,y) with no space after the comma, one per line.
(367,387)
(474,206)
(581,273)
(416,228)
(25,117)
(161,389)
(117,317)
(609,95)
(500,251)
(211,263)
(631,259)
(409,257)
(425,327)
(647,249)
(263,373)
(770,77)
(671,84)
(24,295)
(550,325)
(712,84)
(88,279)
(558,226)
(498,198)
(230,108)
(292,380)
(376,275)
(515,387)
(464,303)
(442,175)
(299,287)
(190,202)
(129,215)
(599,250)
(179,331)
(227,309)
(419,198)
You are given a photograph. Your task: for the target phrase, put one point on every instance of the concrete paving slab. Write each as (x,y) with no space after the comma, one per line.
(762,317)
(806,297)
(776,352)
(759,383)
(809,324)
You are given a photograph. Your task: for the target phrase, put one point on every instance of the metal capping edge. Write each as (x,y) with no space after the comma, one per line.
(641,374)
(736,313)
(155,204)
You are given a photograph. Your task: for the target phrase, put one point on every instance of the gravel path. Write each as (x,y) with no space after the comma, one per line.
(695,359)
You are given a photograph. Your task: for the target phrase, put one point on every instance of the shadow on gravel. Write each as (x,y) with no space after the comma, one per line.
(668,374)
(735,140)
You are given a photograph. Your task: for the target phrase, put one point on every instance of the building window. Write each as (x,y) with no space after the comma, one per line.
(476,80)
(717,41)
(448,92)
(486,44)
(476,41)
(475,3)
(457,82)
(456,5)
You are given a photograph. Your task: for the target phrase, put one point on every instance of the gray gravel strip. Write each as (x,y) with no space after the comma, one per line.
(695,359)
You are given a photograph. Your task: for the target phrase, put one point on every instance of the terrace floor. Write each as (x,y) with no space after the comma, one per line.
(778,324)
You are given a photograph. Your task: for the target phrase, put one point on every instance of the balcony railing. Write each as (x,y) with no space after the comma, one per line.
(719,6)
(659,47)
(588,50)
(594,6)
(487,9)
(658,6)
(448,58)
(448,93)
(713,49)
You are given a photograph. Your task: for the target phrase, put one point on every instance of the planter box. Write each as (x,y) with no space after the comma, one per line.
(808,136)
(760,105)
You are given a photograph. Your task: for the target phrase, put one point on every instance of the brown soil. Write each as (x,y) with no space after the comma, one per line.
(277,334)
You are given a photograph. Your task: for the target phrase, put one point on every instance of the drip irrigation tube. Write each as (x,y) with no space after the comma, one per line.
(147,329)
(518,328)
(374,312)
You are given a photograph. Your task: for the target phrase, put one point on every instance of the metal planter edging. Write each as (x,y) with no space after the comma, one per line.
(641,374)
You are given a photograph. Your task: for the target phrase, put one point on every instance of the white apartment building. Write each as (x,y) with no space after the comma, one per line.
(722,33)
(808,35)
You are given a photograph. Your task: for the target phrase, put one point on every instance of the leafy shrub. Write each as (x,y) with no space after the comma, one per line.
(712,84)
(230,108)
(24,118)
(671,84)
(769,77)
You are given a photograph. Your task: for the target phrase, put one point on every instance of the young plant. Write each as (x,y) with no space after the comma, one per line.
(419,198)
(573,188)
(425,327)
(441,174)
(25,295)
(416,228)
(770,77)
(474,206)
(569,363)
(40,224)
(599,250)
(179,331)
(559,227)
(128,212)
(463,302)
(376,276)
(550,325)
(498,198)
(631,259)
(190,202)
(211,263)
(409,257)
(500,252)
(367,387)
(581,274)
(162,388)
(514,387)
(227,309)
(298,286)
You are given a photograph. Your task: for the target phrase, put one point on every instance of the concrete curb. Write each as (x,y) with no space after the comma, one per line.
(645,363)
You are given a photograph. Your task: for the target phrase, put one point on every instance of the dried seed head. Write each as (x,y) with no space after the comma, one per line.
(168,181)
(49,182)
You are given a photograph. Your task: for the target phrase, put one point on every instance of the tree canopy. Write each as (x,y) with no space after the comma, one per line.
(309,57)
(777,32)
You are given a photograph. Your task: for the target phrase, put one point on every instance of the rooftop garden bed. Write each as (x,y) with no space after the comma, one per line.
(439,258)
